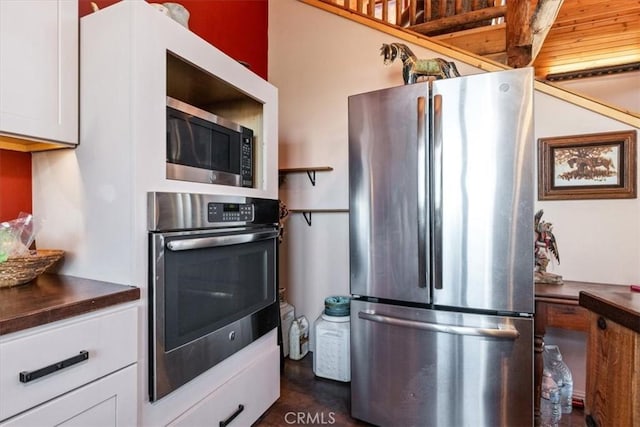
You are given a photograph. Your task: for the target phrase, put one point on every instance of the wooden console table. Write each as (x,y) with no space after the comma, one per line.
(557,306)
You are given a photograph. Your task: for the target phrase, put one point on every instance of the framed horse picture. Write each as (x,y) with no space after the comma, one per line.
(593,166)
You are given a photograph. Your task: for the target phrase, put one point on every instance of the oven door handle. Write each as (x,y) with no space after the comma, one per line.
(214,241)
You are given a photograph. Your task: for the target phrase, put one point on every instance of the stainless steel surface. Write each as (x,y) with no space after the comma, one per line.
(383,203)
(205,115)
(460,351)
(436,192)
(488,159)
(501,331)
(180,222)
(216,241)
(171,368)
(423,184)
(189,211)
(191,174)
(411,376)
(481,185)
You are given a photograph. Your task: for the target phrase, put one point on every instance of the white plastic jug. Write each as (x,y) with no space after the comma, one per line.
(299,338)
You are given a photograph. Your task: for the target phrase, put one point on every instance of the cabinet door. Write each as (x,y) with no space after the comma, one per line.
(39,78)
(613,380)
(110,401)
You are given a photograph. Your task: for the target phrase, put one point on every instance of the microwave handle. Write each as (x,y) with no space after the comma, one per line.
(215,241)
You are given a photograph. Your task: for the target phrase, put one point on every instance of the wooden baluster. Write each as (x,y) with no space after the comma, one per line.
(412,11)
(360,6)
(371,9)
(427,11)
(399,7)
(443,9)
(458,7)
(385,11)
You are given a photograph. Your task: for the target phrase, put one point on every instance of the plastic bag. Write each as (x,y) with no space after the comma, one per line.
(17,235)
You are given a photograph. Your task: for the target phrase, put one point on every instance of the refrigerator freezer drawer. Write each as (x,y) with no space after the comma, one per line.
(419,367)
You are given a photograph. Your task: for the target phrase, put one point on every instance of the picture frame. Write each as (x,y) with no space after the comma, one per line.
(591,166)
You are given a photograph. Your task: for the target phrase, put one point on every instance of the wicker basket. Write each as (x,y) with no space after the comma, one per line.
(23,269)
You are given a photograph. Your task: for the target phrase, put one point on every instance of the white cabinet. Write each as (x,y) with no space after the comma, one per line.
(109,401)
(69,365)
(38,73)
(241,400)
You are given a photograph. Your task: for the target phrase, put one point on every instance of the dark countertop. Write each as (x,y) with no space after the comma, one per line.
(52,297)
(570,290)
(621,305)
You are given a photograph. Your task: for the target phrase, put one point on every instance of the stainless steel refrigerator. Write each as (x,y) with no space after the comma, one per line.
(441,181)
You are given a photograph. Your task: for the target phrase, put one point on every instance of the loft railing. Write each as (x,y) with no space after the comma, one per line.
(429,17)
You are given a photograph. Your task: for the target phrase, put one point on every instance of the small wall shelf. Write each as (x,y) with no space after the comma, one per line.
(311,172)
(307,212)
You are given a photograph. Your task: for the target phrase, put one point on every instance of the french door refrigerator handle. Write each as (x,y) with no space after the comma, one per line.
(214,241)
(504,331)
(436,192)
(422,192)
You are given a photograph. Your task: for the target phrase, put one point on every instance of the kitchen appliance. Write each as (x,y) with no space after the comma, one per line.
(212,287)
(441,252)
(203,147)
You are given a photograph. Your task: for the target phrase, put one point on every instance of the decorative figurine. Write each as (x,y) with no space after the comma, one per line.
(412,67)
(544,245)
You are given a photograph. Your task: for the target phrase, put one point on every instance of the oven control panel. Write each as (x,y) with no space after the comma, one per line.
(230,212)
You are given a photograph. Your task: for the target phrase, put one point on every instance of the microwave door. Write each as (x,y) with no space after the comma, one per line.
(201,151)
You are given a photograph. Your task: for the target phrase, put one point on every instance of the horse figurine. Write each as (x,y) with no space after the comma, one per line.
(412,67)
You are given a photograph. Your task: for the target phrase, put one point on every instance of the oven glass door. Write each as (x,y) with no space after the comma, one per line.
(212,280)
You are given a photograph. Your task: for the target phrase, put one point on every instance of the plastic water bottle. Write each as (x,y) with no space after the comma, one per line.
(550,412)
(561,375)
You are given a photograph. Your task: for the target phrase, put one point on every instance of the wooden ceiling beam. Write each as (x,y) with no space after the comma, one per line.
(528,23)
(454,21)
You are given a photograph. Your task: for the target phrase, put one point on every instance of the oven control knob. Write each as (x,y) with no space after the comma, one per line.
(232,335)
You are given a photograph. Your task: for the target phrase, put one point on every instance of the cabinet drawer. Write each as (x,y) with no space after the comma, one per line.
(254,388)
(110,341)
(110,401)
(572,317)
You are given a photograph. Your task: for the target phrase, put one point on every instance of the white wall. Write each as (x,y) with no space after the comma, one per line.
(317,59)
(620,90)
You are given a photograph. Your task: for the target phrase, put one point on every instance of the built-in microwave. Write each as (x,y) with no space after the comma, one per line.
(204,147)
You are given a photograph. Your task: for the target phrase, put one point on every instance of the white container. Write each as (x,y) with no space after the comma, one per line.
(287,314)
(332,355)
(299,338)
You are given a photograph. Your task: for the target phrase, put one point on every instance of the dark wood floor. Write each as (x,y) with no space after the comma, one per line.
(309,400)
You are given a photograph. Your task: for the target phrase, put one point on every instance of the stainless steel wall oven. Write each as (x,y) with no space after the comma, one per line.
(212,289)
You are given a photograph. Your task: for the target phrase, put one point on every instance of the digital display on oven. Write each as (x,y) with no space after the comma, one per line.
(230,212)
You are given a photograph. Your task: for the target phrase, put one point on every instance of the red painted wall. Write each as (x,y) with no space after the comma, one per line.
(236,27)
(15,184)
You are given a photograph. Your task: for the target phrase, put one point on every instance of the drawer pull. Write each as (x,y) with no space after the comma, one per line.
(26,376)
(226,422)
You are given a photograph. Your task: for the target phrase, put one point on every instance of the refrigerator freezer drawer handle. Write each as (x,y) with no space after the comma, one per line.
(506,332)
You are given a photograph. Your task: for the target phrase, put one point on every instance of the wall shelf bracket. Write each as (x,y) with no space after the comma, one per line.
(306,213)
(307,216)
(312,178)
(311,173)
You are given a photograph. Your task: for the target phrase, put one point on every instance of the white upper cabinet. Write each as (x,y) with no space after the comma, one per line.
(38,74)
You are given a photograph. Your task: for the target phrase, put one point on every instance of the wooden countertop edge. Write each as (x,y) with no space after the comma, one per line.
(61,312)
(600,304)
